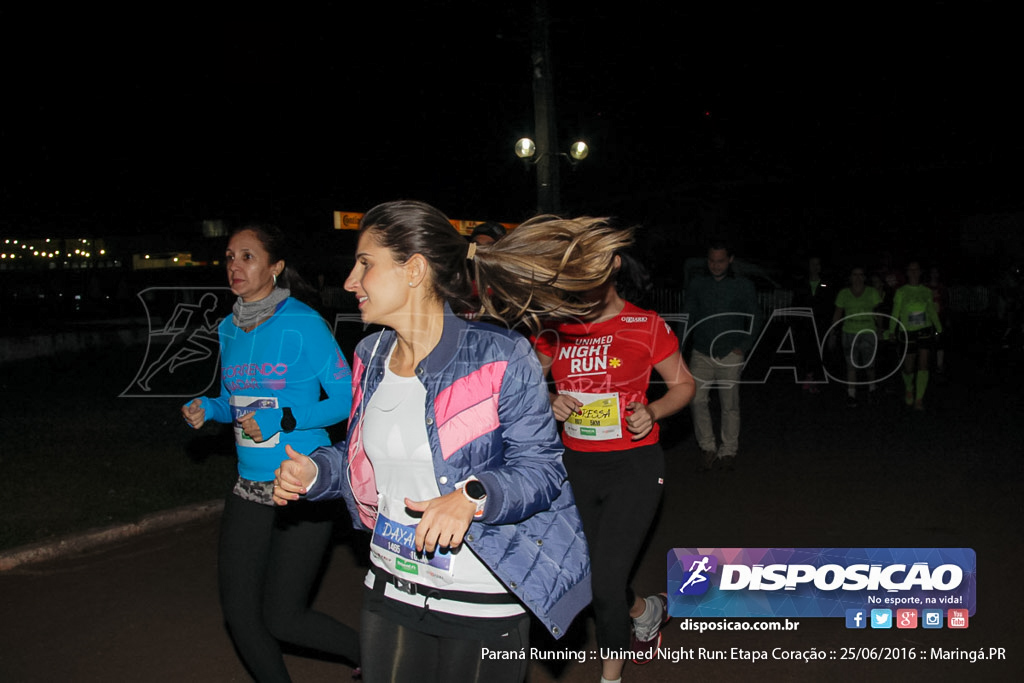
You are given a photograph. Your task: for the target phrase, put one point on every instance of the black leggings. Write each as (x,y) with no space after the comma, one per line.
(269,558)
(617,494)
(405,644)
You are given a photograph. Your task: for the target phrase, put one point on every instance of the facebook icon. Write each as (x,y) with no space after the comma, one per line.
(856,618)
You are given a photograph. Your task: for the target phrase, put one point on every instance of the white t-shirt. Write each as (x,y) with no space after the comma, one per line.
(395,439)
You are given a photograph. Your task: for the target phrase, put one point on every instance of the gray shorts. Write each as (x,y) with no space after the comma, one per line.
(860,349)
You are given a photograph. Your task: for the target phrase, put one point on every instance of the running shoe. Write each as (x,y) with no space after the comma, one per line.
(647,628)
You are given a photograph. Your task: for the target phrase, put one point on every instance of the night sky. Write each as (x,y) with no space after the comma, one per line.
(784,127)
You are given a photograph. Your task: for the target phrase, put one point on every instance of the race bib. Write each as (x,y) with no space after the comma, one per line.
(240,405)
(394,544)
(917,318)
(597,420)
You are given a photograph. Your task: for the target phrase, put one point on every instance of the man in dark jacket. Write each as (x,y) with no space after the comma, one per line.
(724,317)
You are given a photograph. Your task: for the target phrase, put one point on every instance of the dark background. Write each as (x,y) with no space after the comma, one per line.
(845,129)
(857,129)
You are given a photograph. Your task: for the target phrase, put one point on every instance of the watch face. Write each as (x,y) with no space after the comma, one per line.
(475,490)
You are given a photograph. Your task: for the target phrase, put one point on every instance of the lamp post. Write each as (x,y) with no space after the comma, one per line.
(539,150)
(548,193)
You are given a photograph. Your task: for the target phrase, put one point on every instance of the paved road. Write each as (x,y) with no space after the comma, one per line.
(811,474)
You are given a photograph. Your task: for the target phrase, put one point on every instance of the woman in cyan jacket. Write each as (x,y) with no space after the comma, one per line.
(453,458)
(283,381)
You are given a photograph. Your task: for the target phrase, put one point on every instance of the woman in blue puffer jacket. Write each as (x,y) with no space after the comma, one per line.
(453,458)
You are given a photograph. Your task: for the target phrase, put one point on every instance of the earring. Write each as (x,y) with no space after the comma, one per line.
(410,284)
(275,279)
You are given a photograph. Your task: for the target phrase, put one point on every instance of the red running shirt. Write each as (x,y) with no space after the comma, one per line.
(607,365)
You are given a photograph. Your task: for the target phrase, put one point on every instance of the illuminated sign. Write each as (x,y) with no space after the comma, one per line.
(348,220)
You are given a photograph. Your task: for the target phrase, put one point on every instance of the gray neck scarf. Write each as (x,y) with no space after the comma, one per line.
(251,313)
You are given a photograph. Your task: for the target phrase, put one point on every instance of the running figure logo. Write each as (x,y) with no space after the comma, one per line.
(696,582)
(188,337)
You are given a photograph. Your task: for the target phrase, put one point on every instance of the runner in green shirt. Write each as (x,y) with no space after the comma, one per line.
(913,311)
(855,306)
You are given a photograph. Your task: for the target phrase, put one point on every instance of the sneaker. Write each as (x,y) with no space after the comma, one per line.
(851,401)
(646,652)
(707,460)
(728,462)
(647,628)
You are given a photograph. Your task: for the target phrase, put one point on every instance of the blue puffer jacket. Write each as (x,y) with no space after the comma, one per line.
(487,415)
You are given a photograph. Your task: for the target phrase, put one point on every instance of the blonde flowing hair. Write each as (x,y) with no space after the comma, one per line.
(539,270)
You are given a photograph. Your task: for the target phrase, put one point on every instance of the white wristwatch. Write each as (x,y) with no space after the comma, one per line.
(475,493)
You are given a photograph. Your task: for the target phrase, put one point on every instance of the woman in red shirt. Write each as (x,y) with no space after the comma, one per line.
(601,366)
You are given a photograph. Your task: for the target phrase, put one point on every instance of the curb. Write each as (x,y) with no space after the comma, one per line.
(49,550)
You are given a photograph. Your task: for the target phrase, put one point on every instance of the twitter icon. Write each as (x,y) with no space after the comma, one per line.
(881,618)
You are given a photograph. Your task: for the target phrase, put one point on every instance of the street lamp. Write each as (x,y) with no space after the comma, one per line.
(548,191)
(579,150)
(526,150)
